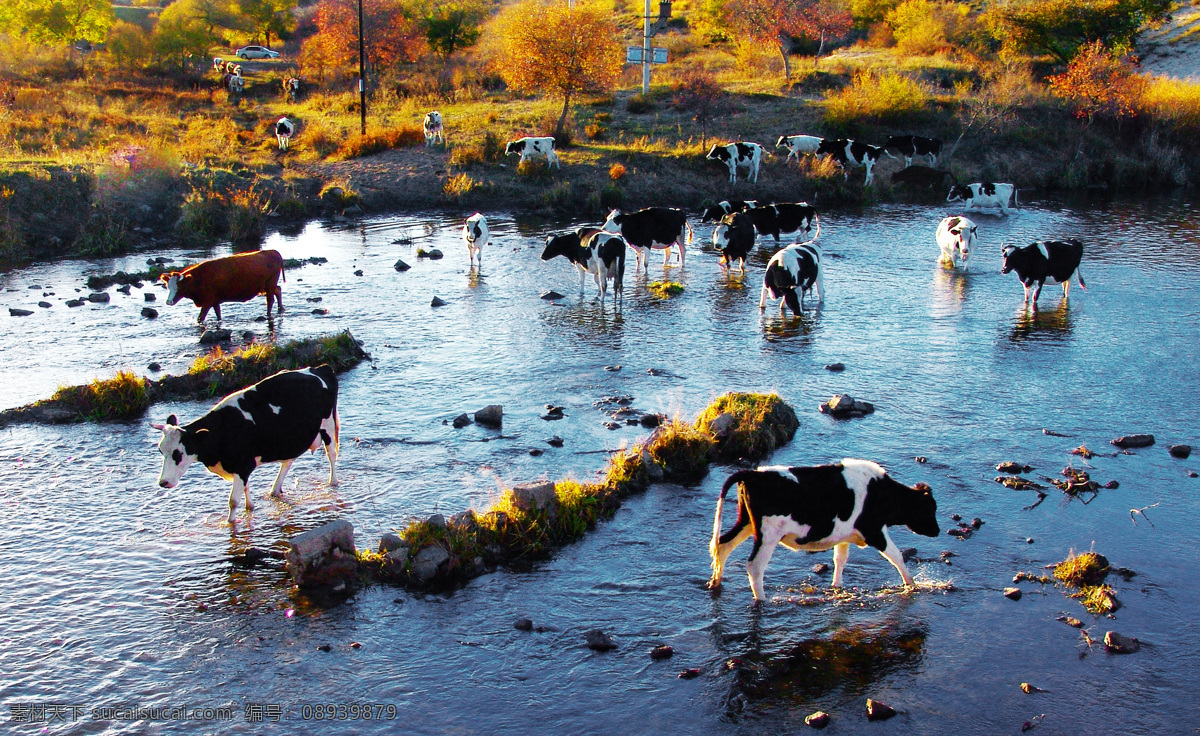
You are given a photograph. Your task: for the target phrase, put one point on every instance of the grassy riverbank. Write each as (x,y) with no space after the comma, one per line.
(212,375)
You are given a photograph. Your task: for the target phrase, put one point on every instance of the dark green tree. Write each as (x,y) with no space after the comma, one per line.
(1061,27)
(452,26)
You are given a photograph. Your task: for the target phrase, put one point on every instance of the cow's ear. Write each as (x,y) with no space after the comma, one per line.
(923,488)
(173,420)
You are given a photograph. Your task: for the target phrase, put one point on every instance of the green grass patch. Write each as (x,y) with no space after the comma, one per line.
(123,396)
(1088,568)
(665,289)
(757,424)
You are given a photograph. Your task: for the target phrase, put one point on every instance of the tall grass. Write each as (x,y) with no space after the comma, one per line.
(121,397)
(1173,101)
(886,98)
(365,145)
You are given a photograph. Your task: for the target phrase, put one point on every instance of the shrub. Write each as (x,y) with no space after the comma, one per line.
(665,289)
(120,397)
(888,97)
(533,168)
(1174,101)
(457,187)
(616,171)
(246,215)
(365,145)
(919,26)
(1098,83)
(639,104)
(493,146)
(201,217)
(595,132)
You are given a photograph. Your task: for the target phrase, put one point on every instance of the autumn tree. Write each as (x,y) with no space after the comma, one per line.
(191,27)
(391,36)
(1061,27)
(773,23)
(268,16)
(559,48)
(57,21)
(700,94)
(1099,83)
(128,45)
(451,26)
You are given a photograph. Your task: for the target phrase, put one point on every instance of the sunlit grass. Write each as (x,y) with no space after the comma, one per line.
(123,396)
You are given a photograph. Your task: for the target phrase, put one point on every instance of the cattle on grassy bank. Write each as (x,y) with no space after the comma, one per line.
(528,147)
(652,228)
(849,153)
(794,268)
(739,154)
(910,146)
(1034,263)
(955,238)
(734,237)
(983,195)
(595,252)
(819,508)
(291,88)
(475,235)
(798,144)
(433,128)
(273,421)
(284,130)
(236,278)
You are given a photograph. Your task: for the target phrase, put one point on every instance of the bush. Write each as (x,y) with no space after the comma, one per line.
(1098,83)
(457,187)
(534,168)
(616,171)
(1174,101)
(919,26)
(889,98)
(201,218)
(595,132)
(365,145)
(121,397)
(639,104)
(321,137)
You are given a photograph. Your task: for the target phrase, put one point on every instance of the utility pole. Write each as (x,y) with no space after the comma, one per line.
(649,31)
(362,70)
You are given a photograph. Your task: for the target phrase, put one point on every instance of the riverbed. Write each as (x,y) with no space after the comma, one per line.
(121,594)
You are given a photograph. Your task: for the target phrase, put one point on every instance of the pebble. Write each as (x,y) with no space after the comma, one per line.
(434,254)
(75,302)
(820,568)
(599,641)
(1180,451)
(651,421)
(921,459)
(691,674)
(612,425)
(1028,540)
(149,297)
(1027,688)
(1118,644)
(535,452)
(820,719)
(99,296)
(523,624)
(555,441)
(551,295)
(1112,485)
(154,367)
(324,648)
(401,266)
(149,313)
(879,711)
(1133,440)
(662,651)
(1011,467)
(358,272)
(437,302)
(1193,474)
(835,367)
(976,522)
(355,645)
(461,421)
(955,517)
(1013,594)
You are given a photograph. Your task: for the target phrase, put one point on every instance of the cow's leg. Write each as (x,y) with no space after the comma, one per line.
(679,244)
(1026,291)
(217,311)
(764,546)
(841,552)
(762,298)
(820,286)
(278,299)
(893,555)
(203,314)
(1066,288)
(330,435)
(237,491)
(1037,292)
(728,542)
(277,488)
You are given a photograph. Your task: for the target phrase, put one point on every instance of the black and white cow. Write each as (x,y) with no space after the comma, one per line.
(955,237)
(593,251)
(1035,263)
(852,153)
(785,217)
(475,235)
(529,146)
(922,176)
(433,128)
(794,268)
(219,65)
(235,83)
(291,88)
(985,194)
(273,421)
(798,144)
(909,146)
(652,228)
(734,237)
(726,207)
(819,508)
(741,153)
(284,130)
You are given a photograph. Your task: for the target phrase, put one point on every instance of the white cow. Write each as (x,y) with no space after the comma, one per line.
(475,234)
(531,146)
(284,130)
(987,194)
(433,129)
(955,236)
(741,153)
(798,144)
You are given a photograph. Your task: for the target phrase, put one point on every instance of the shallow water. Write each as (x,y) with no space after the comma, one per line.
(124,594)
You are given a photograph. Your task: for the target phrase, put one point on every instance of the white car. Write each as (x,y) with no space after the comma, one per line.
(256,52)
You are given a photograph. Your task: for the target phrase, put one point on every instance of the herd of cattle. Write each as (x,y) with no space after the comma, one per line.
(230,74)
(802,508)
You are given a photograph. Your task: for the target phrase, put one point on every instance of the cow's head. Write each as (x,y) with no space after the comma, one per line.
(613,223)
(174,281)
(720,236)
(964,232)
(922,511)
(718,153)
(782,142)
(560,245)
(958,193)
(174,449)
(514,147)
(714,213)
(1006,253)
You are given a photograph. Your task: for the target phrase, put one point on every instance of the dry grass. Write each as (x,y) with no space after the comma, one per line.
(365,145)
(1088,568)
(886,98)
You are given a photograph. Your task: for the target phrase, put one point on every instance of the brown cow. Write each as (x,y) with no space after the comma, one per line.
(237,278)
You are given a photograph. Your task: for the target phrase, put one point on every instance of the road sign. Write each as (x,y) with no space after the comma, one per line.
(634,55)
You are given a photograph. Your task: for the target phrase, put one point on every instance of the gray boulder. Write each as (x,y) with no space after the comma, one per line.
(323,557)
(427,563)
(599,641)
(390,541)
(722,425)
(1118,644)
(461,421)
(99,297)
(1133,440)
(149,313)
(535,496)
(1180,451)
(13,312)
(401,266)
(212,337)
(491,415)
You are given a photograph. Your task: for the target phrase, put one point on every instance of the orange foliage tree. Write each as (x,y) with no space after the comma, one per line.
(391,37)
(1099,83)
(773,23)
(556,48)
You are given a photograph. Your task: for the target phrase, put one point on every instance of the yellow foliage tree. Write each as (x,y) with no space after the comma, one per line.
(556,48)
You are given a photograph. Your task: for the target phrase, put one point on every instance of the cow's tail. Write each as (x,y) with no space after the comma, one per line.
(1079,275)
(817,222)
(690,233)
(1016,202)
(737,477)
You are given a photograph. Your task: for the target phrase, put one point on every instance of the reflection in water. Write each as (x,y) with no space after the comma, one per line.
(851,659)
(1042,325)
(788,327)
(949,291)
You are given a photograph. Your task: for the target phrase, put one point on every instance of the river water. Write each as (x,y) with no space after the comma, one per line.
(120,594)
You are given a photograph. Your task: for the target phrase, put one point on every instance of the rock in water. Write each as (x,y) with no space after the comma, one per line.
(149,297)
(1133,440)
(19,312)
(599,641)
(149,313)
(523,624)
(1180,451)
(662,651)
(324,556)
(820,719)
(1013,594)
(1118,644)
(401,266)
(99,297)
(437,302)
(879,711)
(212,337)
(461,421)
(435,254)
(552,295)
(555,441)
(491,415)
(534,496)
(835,368)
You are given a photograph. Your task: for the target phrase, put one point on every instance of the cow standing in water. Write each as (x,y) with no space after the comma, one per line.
(475,235)
(273,421)
(1034,263)
(237,278)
